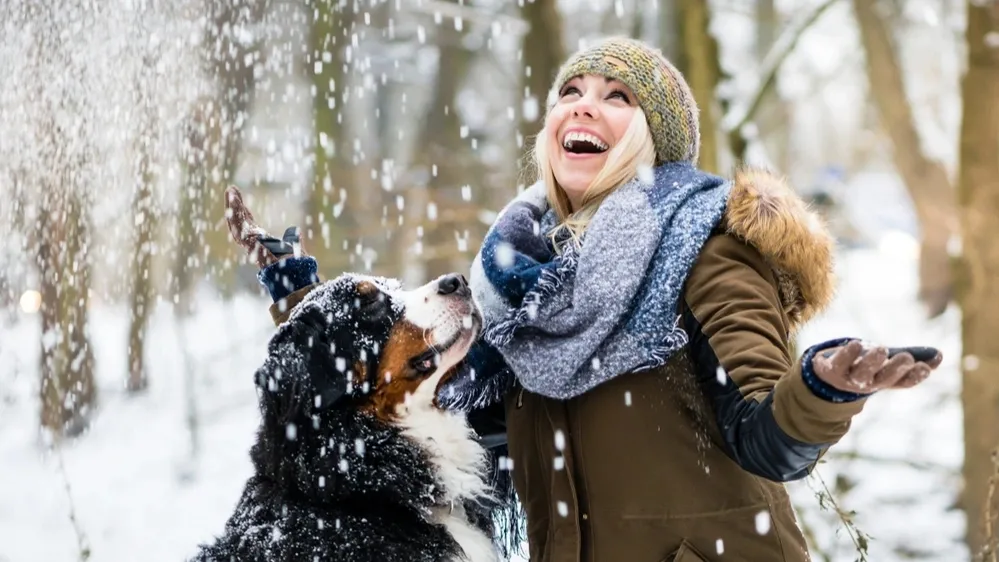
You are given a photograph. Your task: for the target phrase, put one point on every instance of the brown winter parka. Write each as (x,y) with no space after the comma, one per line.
(686,462)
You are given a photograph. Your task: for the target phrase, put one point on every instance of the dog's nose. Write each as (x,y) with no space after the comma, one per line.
(452,283)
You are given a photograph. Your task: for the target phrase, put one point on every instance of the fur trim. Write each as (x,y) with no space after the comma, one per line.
(765,212)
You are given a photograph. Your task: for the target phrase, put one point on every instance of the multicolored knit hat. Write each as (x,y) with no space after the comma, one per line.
(662,92)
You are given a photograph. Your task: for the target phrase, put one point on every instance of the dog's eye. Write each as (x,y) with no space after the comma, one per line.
(425,363)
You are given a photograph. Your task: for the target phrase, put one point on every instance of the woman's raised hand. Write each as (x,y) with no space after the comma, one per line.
(263,248)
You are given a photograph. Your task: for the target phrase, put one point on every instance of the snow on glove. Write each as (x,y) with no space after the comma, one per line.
(864,370)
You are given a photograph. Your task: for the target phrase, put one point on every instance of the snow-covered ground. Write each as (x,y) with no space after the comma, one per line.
(137,494)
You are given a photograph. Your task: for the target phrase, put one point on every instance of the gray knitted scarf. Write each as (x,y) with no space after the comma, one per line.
(567,322)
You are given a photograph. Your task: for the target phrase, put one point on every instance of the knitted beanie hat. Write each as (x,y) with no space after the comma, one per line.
(663,94)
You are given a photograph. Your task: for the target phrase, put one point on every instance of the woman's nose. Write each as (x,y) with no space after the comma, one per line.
(585,106)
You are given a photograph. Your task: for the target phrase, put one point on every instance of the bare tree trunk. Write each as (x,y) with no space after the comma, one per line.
(67,389)
(214,143)
(637,28)
(978,194)
(441,227)
(327,225)
(669,32)
(738,142)
(145,221)
(774,115)
(380,194)
(188,260)
(699,64)
(931,190)
(440,219)
(543,51)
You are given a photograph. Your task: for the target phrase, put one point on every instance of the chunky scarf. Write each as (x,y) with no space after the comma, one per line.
(566,322)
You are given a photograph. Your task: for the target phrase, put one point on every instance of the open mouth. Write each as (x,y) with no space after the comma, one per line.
(577,142)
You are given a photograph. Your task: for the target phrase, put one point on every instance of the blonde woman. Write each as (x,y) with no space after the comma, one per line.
(642,312)
(646,310)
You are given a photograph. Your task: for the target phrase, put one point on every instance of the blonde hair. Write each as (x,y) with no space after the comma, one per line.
(633,150)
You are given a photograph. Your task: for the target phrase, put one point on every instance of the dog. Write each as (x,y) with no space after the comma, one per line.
(354,459)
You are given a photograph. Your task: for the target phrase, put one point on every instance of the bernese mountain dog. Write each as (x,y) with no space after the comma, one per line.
(354,459)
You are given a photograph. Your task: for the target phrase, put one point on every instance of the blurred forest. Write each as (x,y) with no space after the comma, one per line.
(392,131)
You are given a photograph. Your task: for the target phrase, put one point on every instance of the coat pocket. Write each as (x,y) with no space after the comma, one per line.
(686,553)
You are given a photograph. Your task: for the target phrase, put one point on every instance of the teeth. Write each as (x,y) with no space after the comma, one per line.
(580,136)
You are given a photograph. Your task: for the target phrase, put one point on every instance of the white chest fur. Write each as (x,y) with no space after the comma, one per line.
(476,546)
(460,463)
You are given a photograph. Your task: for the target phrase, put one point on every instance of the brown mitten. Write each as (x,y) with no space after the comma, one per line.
(263,248)
(852,368)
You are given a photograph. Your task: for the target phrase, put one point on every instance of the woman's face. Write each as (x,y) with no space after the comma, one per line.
(590,117)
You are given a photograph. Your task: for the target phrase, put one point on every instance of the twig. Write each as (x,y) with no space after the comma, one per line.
(859,538)
(856,456)
(190,398)
(771,66)
(990,548)
(812,541)
(82,544)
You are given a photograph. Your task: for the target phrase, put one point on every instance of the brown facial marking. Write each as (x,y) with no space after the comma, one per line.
(366,288)
(396,376)
(359,375)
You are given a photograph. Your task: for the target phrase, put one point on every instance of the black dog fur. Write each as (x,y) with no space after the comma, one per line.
(330,482)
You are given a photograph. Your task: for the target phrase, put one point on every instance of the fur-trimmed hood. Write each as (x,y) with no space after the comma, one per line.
(763,210)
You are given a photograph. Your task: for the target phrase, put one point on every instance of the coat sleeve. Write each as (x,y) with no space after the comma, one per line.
(281,310)
(288,281)
(776,417)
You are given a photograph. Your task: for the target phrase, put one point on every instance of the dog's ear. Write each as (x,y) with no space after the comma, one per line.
(328,376)
(302,359)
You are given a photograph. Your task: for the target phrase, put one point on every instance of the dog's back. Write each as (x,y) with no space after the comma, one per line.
(353,459)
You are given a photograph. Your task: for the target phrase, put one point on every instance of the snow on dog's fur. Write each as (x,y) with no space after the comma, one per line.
(354,460)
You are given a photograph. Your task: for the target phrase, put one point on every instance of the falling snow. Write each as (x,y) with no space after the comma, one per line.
(762,522)
(93,90)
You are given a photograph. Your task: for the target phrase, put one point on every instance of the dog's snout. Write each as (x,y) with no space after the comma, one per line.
(453,283)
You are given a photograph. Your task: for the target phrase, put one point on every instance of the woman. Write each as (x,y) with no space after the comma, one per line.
(645,310)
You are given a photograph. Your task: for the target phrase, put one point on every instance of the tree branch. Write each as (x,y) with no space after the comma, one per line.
(734,121)
(82,543)
(511,24)
(918,465)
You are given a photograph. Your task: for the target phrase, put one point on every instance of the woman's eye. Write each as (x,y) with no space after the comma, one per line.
(620,95)
(570,90)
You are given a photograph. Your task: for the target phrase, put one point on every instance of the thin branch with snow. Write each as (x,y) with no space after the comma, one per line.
(82,543)
(741,114)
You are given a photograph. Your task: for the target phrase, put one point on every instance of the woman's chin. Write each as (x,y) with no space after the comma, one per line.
(576,176)
(575,185)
